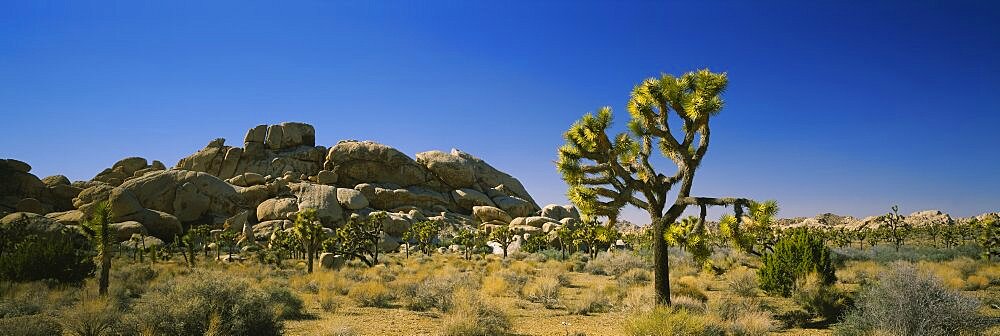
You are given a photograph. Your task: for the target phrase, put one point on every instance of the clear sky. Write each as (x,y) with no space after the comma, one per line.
(833,106)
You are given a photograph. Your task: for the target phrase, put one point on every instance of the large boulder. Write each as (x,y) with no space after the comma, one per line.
(323,198)
(192,196)
(488,213)
(515,206)
(466,199)
(24,223)
(387,199)
(270,151)
(123,231)
(351,199)
(278,209)
(453,169)
(559,212)
(357,162)
(928,218)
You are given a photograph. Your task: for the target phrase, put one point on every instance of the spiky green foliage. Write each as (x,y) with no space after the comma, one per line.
(591,233)
(691,235)
(471,240)
(798,253)
(755,234)
(423,233)
(605,173)
(504,236)
(98,221)
(989,236)
(309,231)
(359,238)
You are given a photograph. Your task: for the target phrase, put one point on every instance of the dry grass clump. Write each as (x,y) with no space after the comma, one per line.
(976,282)
(593,300)
(544,290)
(638,300)
(494,285)
(634,277)
(421,293)
(329,301)
(666,321)
(90,317)
(752,323)
(340,331)
(475,316)
(743,316)
(742,281)
(690,304)
(857,272)
(371,294)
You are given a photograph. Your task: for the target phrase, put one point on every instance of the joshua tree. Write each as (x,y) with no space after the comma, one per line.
(98,221)
(989,236)
(470,239)
(691,235)
(359,238)
(504,236)
(423,232)
(605,174)
(755,236)
(895,226)
(309,230)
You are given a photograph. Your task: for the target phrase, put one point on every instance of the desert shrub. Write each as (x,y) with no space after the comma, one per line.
(30,325)
(340,331)
(818,299)
(515,279)
(665,321)
(732,308)
(682,289)
(884,254)
(473,316)
(690,304)
(795,255)
(616,263)
(634,277)
(494,285)
(976,282)
(742,281)
(906,302)
(857,272)
(26,255)
(752,323)
(432,292)
(371,294)
(90,317)
(544,290)
(328,301)
(638,299)
(19,305)
(209,301)
(288,304)
(593,301)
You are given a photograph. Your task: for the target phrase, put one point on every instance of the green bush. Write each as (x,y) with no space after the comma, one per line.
(795,255)
(905,302)
(31,251)
(30,325)
(214,301)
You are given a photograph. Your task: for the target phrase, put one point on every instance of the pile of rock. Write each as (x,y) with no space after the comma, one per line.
(259,188)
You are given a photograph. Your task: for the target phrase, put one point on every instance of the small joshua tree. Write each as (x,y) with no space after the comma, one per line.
(989,236)
(756,235)
(359,238)
(309,231)
(98,221)
(503,236)
(470,239)
(691,235)
(423,233)
(895,226)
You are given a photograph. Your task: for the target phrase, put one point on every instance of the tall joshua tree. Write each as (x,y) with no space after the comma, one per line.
(98,221)
(606,173)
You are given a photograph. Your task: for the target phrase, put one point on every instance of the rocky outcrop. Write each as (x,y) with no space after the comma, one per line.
(22,191)
(259,188)
(268,151)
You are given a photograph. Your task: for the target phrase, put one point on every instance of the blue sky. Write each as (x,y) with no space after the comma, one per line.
(833,106)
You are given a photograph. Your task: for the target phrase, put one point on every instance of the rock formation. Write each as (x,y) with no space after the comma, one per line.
(260,187)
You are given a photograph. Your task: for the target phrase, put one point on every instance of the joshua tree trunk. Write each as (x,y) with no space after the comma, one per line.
(309,255)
